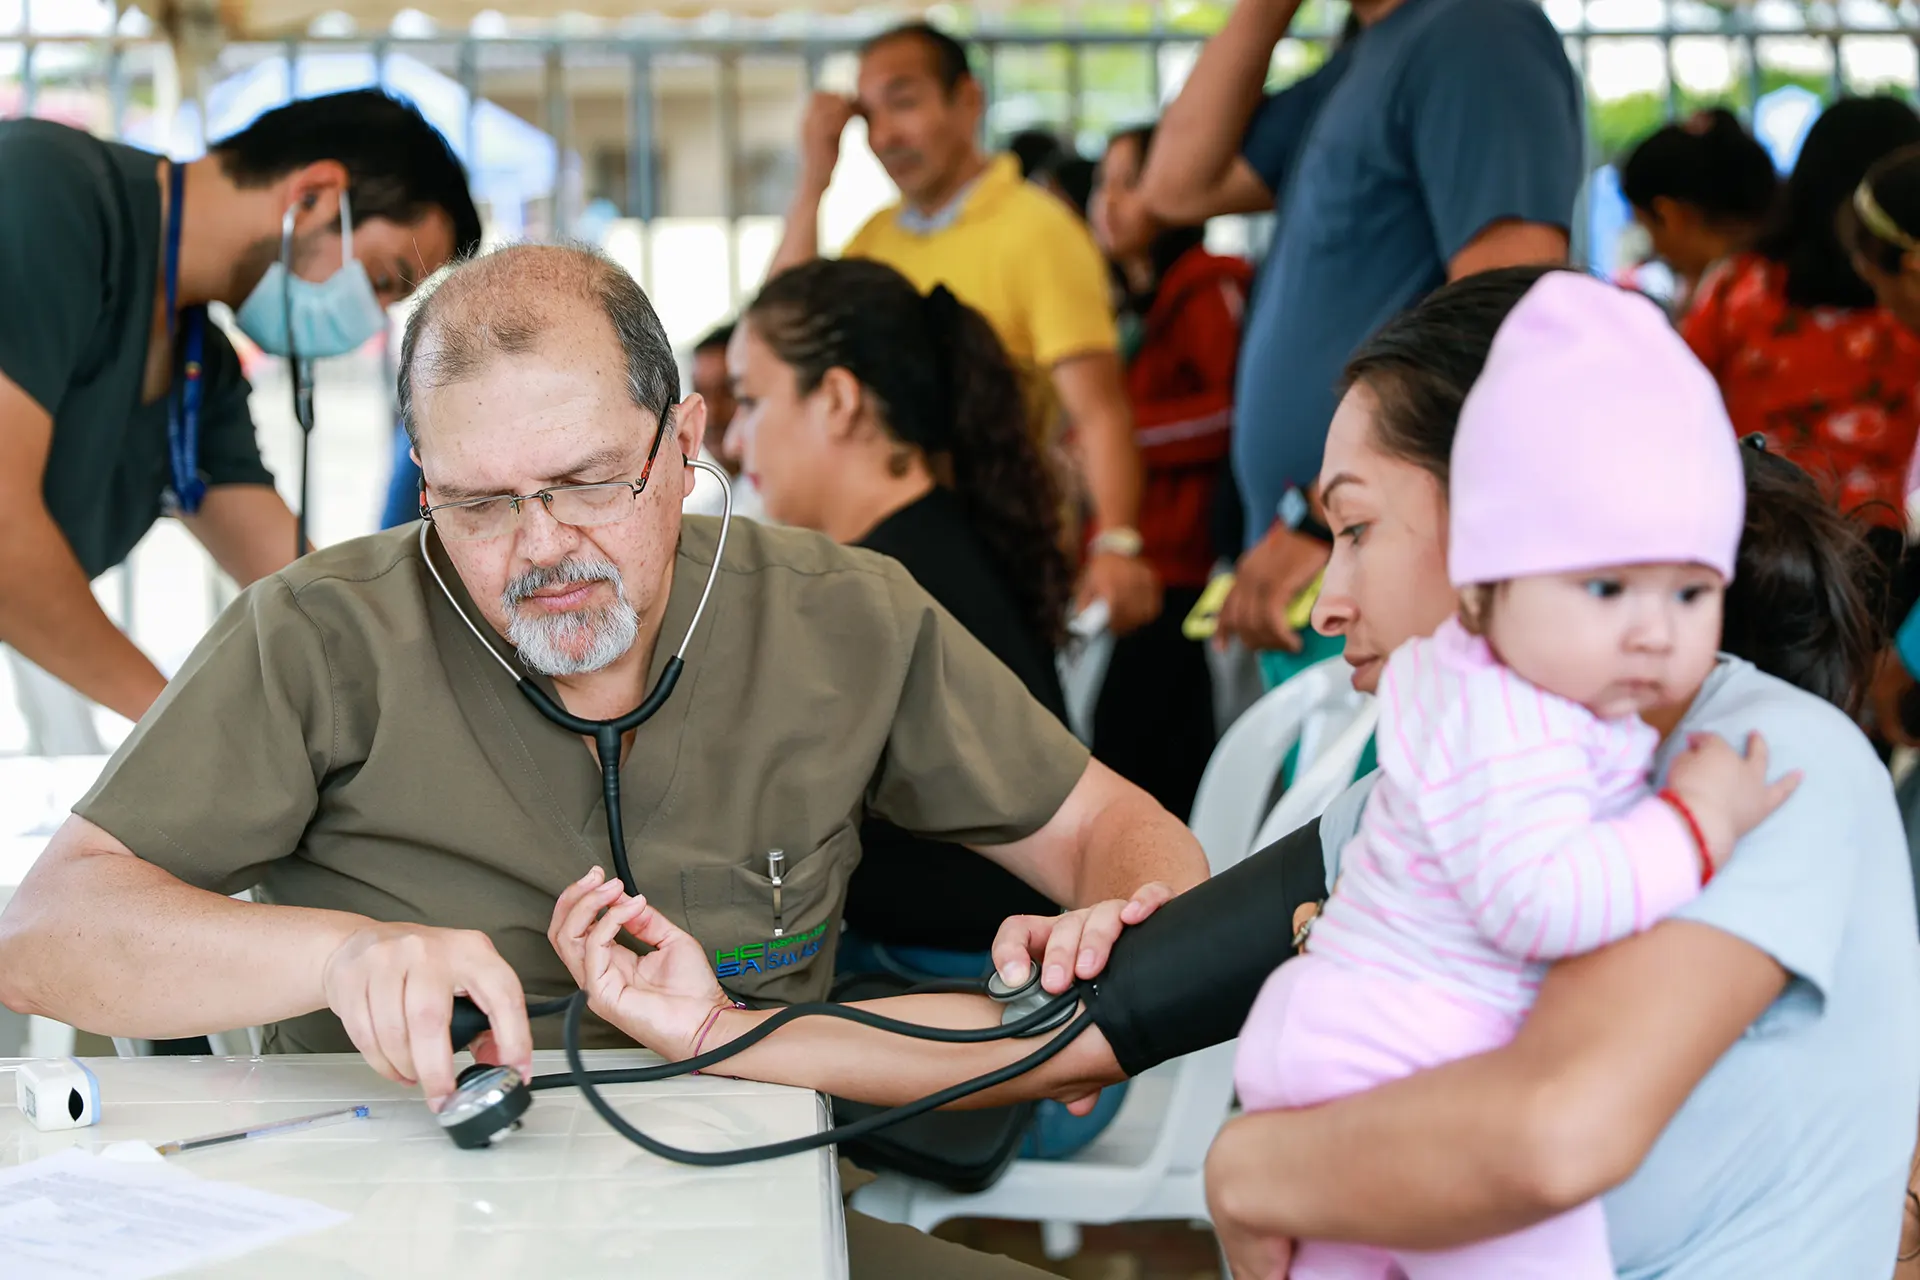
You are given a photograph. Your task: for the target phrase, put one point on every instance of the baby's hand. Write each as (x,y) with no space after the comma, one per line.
(1728,792)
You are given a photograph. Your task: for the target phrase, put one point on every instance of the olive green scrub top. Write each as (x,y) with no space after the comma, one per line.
(340,739)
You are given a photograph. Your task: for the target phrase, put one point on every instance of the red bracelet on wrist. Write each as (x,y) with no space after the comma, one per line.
(1672,797)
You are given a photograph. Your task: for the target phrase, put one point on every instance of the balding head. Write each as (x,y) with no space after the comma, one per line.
(512,301)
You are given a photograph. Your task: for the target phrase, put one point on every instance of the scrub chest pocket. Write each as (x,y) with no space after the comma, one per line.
(774,942)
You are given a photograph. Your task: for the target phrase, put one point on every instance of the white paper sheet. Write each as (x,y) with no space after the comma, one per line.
(76,1215)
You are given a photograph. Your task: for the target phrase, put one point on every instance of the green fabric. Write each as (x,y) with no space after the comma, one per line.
(1277,668)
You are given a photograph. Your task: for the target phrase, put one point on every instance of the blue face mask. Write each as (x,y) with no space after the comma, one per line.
(330,318)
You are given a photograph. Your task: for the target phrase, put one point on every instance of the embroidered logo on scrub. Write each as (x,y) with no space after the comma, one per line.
(765,957)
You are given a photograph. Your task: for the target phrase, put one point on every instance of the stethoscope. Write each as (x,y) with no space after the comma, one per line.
(489,1101)
(189,487)
(300,376)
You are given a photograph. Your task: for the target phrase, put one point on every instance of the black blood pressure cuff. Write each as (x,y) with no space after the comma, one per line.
(1186,977)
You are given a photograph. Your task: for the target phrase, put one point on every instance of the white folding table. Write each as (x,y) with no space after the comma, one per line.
(563,1196)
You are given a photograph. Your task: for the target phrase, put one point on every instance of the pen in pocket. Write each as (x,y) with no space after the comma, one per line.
(776,863)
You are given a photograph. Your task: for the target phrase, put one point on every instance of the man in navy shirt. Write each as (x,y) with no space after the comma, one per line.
(1442,138)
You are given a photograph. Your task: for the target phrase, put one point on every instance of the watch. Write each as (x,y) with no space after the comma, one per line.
(1296,513)
(1117,542)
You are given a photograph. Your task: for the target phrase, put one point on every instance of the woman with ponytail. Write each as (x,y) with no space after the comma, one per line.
(894,421)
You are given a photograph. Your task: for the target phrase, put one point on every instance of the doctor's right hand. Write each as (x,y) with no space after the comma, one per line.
(393,987)
(1074,944)
(663,998)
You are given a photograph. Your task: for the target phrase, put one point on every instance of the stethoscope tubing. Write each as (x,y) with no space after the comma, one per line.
(606,736)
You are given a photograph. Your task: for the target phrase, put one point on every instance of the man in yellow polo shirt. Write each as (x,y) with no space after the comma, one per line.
(1011,251)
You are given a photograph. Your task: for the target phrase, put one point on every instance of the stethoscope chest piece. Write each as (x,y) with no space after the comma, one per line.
(1029,997)
(488,1103)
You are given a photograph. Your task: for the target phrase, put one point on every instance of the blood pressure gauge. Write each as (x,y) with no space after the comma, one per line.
(489,1102)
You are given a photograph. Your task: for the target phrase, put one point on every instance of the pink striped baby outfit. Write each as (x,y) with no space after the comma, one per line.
(1509,828)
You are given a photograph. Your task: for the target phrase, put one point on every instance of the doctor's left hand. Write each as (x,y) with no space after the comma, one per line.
(662,998)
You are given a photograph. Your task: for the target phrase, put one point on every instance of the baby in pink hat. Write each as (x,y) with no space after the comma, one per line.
(1597,505)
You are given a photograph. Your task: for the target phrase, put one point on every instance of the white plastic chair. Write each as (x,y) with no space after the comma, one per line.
(1237,684)
(1311,710)
(1315,786)
(1083,666)
(1150,1162)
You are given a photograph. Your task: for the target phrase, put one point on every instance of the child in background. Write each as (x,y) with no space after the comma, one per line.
(1702,190)
(1597,503)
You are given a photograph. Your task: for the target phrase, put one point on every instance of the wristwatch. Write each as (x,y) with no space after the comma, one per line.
(1117,542)
(1296,513)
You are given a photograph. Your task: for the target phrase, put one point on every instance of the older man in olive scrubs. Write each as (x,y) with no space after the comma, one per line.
(341,742)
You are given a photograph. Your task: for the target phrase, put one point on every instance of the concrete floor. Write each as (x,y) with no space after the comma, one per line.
(1133,1251)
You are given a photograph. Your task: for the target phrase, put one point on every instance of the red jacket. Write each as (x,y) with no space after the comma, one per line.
(1180,384)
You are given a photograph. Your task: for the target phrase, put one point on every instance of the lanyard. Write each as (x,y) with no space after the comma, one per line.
(183,400)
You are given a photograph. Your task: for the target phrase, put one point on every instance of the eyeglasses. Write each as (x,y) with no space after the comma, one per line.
(579,505)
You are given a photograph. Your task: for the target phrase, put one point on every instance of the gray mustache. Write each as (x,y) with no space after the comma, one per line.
(566,573)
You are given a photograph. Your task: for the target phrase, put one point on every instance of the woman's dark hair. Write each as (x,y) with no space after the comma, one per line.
(940,382)
(1421,364)
(1846,141)
(1170,245)
(1894,187)
(1710,162)
(1803,604)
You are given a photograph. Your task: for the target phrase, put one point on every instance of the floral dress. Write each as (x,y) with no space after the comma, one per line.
(1837,390)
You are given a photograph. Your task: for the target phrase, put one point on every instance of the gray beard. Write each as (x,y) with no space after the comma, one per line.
(574,644)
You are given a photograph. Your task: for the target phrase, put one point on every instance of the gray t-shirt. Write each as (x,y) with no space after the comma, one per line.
(79,269)
(1790,1159)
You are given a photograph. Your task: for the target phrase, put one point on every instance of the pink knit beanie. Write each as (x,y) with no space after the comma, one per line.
(1593,438)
